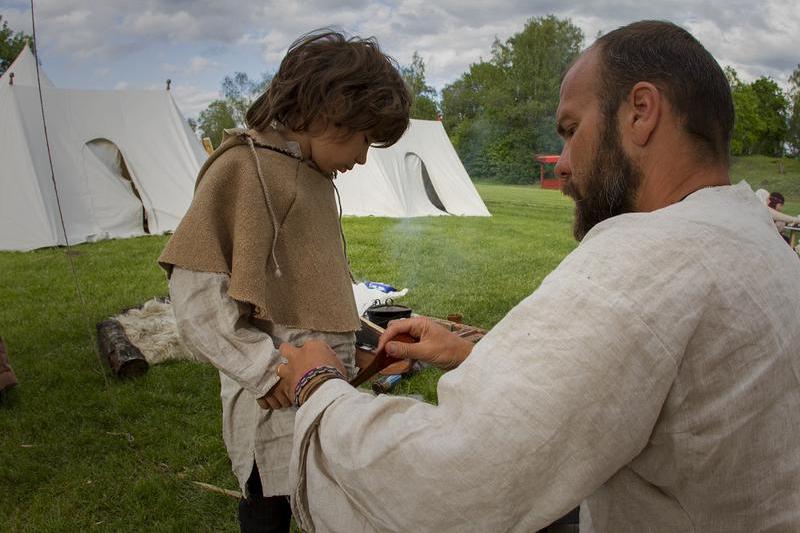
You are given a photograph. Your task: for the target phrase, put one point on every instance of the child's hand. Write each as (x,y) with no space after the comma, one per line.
(279,396)
(312,354)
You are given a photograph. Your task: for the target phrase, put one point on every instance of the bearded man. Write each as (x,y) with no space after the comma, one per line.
(653,377)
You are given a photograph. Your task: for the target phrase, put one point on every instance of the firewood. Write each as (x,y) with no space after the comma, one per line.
(125,359)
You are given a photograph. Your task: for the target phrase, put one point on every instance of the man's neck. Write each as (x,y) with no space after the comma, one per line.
(670,182)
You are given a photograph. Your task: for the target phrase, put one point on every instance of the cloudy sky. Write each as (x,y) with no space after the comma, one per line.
(108,44)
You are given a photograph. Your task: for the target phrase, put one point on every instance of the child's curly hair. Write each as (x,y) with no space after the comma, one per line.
(349,83)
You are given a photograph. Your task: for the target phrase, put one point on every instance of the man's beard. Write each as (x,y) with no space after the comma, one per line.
(611,184)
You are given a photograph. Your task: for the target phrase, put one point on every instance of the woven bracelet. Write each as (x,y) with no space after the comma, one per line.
(311,374)
(312,386)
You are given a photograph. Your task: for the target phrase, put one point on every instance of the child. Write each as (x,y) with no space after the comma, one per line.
(259,258)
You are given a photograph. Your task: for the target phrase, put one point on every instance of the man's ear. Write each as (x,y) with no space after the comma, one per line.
(643,112)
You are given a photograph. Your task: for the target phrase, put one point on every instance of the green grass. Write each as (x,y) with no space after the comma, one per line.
(81,450)
(763,172)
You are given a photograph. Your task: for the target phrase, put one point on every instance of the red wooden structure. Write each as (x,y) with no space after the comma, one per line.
(548,183)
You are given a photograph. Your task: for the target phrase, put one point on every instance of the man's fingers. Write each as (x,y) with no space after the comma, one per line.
(407,350)
(410,326)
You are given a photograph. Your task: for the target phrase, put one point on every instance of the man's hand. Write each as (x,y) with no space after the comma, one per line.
(436,345)
(311,355)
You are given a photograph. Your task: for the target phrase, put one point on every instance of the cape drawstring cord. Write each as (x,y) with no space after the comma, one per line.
(269,207)
(341,231)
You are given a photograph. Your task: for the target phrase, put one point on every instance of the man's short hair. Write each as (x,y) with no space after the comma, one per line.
(349,83)
(669,57)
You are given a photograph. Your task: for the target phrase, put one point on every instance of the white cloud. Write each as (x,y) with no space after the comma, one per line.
(755,38)
(164,25)
(195,65)
(199,64)
(191,100)
(121,86)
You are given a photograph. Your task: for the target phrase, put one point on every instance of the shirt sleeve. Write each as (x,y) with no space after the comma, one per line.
(217,328)
(562,393)
(777,216)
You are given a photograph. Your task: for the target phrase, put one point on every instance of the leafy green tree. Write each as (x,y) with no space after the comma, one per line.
(748,124)
(239,91)
(11,44)
(423,105)
(216,117)
(466,107)
(793,133)
(761,108)
(502,111)
(773,107)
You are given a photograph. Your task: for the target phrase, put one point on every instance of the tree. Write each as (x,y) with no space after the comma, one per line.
(773,107)
(11,44)
(748,124)
(502,111)
(793,133)
(423,105)
(239,91)
(216,117)
(761,108)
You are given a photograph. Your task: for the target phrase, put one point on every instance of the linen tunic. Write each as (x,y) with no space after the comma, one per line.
(654,375)
(218,328)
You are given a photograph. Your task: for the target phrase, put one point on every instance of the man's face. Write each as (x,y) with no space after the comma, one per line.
(333,149)
(593,168)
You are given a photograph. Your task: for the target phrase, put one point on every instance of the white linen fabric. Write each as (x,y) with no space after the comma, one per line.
(419,175)
(654,375)
(119,157)
(217,328)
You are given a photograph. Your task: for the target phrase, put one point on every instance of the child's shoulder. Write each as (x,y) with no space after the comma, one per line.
(240,156)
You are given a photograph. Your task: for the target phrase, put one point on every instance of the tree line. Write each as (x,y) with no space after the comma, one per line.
(500,113)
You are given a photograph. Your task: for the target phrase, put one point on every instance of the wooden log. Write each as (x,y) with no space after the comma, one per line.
(124,359)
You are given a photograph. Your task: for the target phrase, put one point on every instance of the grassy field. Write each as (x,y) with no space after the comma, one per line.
(771,173)
(80,450)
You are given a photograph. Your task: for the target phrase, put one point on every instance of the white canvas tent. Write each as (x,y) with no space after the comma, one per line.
(124,162)
(420,175)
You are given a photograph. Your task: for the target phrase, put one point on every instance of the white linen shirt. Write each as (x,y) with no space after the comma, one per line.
(654,375)
(217,328)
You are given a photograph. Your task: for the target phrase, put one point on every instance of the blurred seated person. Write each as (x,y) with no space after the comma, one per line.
(774,202)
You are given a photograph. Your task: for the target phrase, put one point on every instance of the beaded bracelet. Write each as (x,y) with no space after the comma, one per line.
(311,374)
(312,386)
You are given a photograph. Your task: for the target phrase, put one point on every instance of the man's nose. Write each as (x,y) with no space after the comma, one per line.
(562,168)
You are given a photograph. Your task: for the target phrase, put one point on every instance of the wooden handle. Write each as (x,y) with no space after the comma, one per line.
(381,361)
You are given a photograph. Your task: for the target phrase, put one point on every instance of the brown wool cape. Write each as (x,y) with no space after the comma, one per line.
(298,277)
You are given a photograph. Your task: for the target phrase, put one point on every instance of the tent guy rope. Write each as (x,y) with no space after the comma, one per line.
(69,254)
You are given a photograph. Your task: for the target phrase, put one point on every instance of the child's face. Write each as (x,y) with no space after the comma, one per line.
(331,151)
